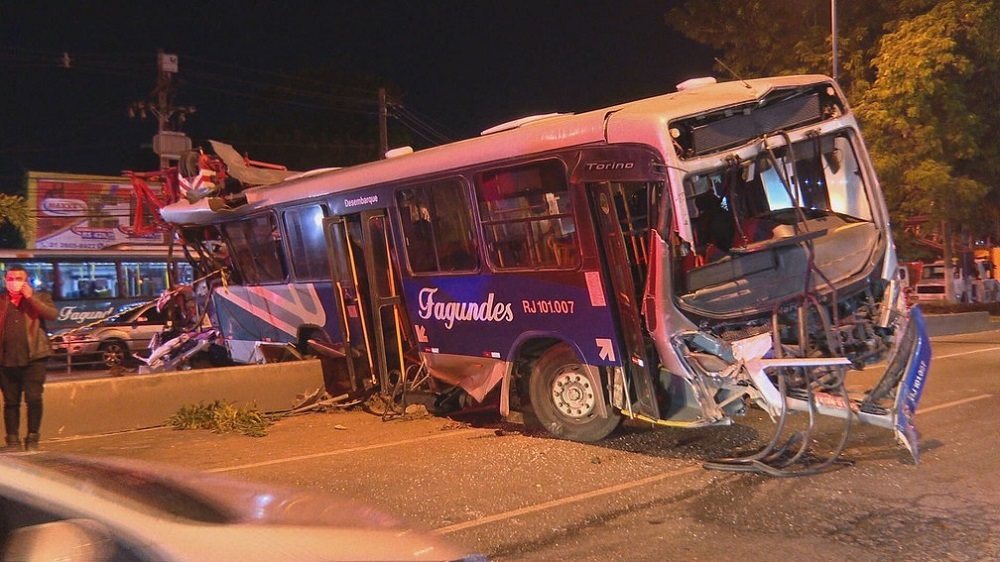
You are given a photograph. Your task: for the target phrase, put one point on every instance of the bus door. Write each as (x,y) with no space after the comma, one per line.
(606,200)
(369,296)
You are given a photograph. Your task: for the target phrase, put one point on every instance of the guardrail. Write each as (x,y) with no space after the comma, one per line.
(89,353)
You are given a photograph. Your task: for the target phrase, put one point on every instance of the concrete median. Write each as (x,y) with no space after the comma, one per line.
(109,405)
(959,323)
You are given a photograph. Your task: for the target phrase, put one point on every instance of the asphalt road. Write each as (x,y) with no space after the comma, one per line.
(643,495)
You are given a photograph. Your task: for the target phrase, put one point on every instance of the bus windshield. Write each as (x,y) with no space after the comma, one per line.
(777,193)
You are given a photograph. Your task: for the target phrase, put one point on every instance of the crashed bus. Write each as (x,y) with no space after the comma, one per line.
(674,260)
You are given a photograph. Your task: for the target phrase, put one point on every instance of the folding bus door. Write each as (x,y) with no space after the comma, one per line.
(616,267)
(368,294)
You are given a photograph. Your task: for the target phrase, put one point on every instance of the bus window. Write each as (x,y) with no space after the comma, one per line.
(145,279)
(255,248)
(88,280)
(89,285)
(307,243)
(184,273)
(527,217)
(437,228)
(41,274)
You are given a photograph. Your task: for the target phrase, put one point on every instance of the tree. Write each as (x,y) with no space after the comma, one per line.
(762,38)
(922,76)
(930,115)
(14,213)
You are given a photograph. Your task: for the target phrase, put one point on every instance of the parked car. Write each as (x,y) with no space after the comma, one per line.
(62,507)
(112,341)
(931,285)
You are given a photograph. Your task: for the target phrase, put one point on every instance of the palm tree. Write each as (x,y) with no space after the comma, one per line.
(14,212)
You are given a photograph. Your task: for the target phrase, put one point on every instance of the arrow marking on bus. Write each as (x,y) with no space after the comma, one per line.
(606,350)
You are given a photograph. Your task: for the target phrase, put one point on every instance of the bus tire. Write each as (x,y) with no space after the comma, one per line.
(564,399)
(312,334)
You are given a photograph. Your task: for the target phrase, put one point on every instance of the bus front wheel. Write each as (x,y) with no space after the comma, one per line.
(565,399)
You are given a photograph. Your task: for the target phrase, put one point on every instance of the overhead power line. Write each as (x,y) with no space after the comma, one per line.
(236,81)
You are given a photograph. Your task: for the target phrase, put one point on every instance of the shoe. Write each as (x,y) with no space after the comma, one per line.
(13,444)
(31,442)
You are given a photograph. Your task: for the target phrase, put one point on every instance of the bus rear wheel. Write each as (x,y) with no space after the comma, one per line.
(565,399)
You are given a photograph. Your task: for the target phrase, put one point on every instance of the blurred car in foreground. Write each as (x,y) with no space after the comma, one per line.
(60,507)
(112,341)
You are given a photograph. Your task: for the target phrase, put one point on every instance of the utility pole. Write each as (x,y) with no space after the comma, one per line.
(166,67)
(383,130)
(168,143)
(947,255)
(833,40)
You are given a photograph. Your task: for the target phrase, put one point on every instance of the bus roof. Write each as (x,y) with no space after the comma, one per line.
(643,122)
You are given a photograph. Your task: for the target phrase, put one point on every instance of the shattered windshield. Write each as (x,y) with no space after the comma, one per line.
(776,194)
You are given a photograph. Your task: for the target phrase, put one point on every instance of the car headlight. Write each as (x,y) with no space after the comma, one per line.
(70,343)
(70,338)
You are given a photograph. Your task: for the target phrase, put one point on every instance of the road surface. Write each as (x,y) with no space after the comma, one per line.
(643,494)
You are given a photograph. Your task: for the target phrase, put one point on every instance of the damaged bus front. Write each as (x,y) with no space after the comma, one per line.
(776,277)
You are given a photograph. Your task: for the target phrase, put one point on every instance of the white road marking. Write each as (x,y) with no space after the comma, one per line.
(563,501)
(663,476)
(921,411)
(950,355)
(349,450)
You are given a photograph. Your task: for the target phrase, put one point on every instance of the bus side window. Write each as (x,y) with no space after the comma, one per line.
(41,274)
(88,280)
(256,250)
(437,229)
(307,243)
(527,217)
(145,279)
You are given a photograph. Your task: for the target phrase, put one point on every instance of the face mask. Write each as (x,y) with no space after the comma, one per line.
(15,286)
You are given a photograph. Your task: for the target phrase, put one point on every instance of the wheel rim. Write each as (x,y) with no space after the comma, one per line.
(113,355)
(573,395)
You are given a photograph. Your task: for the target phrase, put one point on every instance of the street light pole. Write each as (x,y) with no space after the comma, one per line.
(833,34)
(164,74)
(383,131)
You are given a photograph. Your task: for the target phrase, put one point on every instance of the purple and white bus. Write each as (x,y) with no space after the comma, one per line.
(674,260)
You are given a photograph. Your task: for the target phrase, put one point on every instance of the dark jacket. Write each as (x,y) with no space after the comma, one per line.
(39,307)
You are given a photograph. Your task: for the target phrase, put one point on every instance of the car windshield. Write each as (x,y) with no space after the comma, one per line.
(934,272)
(126,314)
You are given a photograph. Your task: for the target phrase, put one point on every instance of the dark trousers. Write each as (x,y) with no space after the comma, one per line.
(28,381)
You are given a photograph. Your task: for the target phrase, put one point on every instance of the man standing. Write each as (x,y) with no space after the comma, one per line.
(24,347)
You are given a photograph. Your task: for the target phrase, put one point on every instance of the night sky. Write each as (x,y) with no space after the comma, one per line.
(460,66)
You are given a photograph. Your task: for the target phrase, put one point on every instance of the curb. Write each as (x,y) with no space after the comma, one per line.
(110,405)
(959,323)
